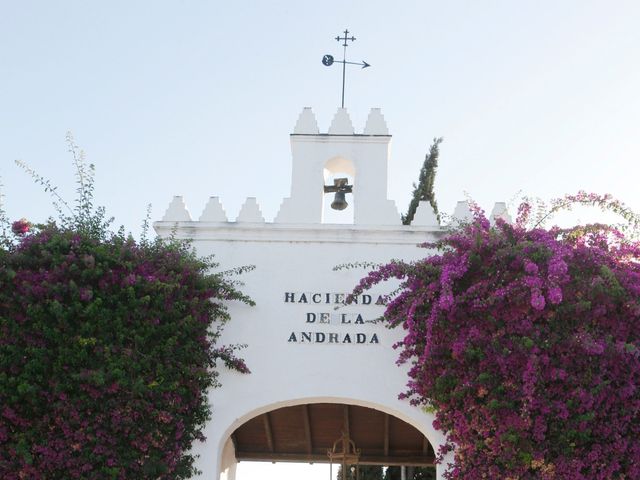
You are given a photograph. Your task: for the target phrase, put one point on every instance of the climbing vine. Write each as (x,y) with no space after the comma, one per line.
(525,343)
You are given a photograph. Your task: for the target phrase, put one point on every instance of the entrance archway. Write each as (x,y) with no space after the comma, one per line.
(305,433)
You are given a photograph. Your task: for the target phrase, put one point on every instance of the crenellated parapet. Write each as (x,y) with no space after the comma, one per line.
(318,159)
(250,212)
(213,211)
(376,124)
(341,123)
(177,211)
(250,215)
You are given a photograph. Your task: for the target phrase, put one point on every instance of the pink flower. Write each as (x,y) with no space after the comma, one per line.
(20,227)
(537,300)
(555,295)
(86,294)
(527,301)
(557,267)
(530,267)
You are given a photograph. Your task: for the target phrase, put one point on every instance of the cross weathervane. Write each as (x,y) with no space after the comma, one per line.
(328,59)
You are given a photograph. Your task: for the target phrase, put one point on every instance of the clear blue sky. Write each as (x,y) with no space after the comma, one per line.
(198,97)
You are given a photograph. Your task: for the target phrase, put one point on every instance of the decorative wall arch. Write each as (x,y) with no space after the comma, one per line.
(339,164)
(421,421)
(339,167)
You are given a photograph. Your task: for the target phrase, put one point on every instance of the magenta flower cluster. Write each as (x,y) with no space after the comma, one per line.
(107,351)
(525,343)
(20,227)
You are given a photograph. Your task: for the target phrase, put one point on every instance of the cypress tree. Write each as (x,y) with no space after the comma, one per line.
(424,190)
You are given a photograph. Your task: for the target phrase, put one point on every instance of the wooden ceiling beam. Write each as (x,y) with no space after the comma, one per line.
(267,430)
(346,421)
(386,434)
(416,461)
(307,428)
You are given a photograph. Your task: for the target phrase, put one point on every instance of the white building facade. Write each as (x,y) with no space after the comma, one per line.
(305,347)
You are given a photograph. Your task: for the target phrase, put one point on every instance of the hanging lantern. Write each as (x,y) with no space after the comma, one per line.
(345,453)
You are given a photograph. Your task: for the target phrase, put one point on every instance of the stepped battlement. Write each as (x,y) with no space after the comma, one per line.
(318,161)
(250,213)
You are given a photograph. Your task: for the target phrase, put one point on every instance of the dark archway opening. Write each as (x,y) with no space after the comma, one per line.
(305,433)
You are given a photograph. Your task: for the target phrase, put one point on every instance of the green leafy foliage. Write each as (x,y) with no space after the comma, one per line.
(108,347)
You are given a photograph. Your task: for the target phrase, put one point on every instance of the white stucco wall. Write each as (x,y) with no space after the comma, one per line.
(295,259)
(296,254)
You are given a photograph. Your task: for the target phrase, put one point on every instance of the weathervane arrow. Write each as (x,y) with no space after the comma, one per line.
(328,60)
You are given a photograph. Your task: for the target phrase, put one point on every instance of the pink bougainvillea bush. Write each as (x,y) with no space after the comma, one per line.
(108,346)
(107,350)
(525,343)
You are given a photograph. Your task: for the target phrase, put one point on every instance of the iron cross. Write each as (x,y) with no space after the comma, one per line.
(328,59)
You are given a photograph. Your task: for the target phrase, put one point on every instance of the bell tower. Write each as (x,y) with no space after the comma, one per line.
(319,160)
(300,335)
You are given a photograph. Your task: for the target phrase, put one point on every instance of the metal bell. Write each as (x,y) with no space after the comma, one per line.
(340,187)
(339,201)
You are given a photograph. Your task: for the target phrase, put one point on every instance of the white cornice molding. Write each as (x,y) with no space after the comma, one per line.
(298,233)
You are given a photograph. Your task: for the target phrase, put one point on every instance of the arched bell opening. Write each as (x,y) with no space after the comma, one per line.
(339,175)
(308,433)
